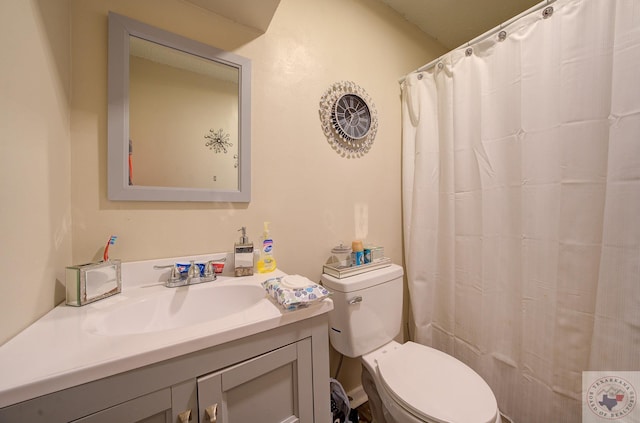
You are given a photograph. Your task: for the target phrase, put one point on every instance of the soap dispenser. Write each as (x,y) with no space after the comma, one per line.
(266,262)
(243,255)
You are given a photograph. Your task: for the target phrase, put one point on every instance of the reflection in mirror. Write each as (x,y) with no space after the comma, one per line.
(178,117)
(176,102)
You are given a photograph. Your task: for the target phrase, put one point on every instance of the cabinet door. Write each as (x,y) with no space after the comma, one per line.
(275,387)
(150,408)
(184,402)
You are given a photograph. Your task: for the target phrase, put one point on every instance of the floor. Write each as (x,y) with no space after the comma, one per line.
(364,414)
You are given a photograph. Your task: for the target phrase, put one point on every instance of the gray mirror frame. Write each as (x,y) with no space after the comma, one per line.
(120,28)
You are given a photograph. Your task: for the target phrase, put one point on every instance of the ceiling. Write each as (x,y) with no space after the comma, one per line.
(455,22)
(254,13)
(451,22)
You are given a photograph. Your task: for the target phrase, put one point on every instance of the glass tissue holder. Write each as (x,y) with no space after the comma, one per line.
(91,282)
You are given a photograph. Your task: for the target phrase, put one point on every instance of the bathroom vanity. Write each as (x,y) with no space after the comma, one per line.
(142,356)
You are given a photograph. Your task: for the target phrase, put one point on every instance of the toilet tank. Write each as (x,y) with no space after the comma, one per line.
(367,310)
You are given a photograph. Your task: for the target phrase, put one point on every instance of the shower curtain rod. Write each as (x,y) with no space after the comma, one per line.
(484,36)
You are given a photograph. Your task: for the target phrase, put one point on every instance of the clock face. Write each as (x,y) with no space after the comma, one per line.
(351,117)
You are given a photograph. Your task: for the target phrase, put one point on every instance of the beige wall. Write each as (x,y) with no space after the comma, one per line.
(310,194)
(313,197)
(35,211)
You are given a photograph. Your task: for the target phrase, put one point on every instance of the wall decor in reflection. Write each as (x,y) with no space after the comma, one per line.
(218,141)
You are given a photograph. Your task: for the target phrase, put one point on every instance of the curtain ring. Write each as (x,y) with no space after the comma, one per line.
(502,35)
(440,65)
(547,12)
(419,76)
(468,52)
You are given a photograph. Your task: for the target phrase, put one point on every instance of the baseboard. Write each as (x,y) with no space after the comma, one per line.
(357,396)
(505,419)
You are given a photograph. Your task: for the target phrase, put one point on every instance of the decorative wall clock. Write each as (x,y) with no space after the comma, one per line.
(349,119)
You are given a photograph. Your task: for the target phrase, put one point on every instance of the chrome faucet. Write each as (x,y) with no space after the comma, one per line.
(193,276)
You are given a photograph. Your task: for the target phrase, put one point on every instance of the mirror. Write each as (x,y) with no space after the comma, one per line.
(178,117)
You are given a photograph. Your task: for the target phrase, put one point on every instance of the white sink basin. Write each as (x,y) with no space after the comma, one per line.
(178,308)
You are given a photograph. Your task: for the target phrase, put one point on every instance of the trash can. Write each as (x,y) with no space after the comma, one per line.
(340,407)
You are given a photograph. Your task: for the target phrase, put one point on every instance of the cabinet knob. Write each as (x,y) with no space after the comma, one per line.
(185,416)
(212,413)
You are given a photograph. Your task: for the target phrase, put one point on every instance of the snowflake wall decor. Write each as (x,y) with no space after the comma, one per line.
(218,141)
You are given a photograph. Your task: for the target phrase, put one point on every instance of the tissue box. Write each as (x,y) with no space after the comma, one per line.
(91,282)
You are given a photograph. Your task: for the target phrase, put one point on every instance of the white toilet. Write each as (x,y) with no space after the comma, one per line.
(404,382)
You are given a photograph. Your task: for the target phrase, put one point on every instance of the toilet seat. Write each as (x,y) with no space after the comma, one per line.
(434,386)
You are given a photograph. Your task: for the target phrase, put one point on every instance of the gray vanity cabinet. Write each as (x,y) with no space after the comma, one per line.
(277,376)
(176,404)
(150,408)
(276,387)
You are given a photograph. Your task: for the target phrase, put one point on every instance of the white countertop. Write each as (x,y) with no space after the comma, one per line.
(64,349)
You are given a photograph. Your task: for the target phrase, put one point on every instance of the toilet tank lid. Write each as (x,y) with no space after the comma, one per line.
(362,280)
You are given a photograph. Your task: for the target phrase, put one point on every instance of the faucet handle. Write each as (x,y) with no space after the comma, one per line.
(209,269)
(194,270)
(175,273)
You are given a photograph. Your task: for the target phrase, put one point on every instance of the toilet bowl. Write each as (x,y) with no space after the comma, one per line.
(416,384)
(404,382)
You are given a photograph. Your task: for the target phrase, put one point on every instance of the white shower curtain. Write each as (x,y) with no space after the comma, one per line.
(521,202)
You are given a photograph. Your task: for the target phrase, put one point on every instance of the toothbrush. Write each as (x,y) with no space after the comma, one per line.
(111,241)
